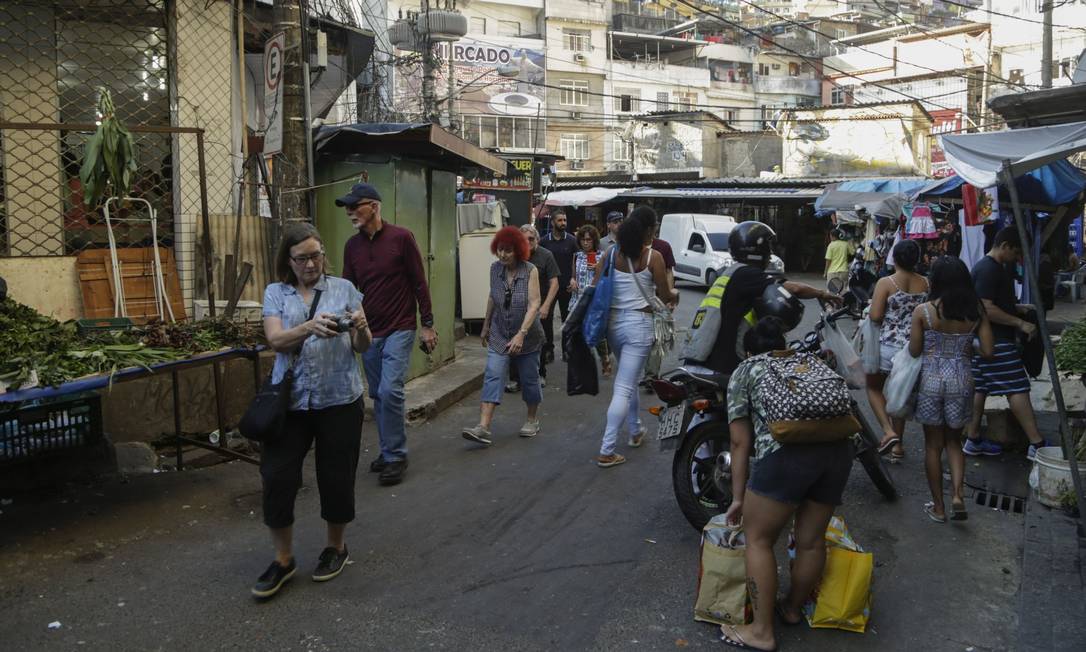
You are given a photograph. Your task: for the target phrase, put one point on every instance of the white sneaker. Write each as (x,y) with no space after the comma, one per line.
(530,428)
(635,441)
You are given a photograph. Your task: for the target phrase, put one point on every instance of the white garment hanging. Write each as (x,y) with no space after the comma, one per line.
(972,242)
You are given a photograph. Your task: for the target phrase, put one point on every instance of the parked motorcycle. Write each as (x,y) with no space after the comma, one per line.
(694,422)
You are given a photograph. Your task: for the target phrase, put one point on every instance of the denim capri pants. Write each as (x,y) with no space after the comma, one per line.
(497,370)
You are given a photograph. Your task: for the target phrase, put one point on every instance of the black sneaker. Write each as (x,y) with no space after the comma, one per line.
(331,564)
(393,472)
(378,465)
(273,579)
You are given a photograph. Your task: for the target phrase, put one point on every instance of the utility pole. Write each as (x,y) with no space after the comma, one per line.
(291,167)
(1046,45)
(429,95)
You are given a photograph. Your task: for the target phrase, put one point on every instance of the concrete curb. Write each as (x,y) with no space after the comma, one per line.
(1051,615)
(427,396)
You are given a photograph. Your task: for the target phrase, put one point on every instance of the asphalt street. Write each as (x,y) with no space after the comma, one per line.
(526,545)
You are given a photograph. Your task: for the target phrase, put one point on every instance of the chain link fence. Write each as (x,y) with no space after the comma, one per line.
(53,58)
(167,64)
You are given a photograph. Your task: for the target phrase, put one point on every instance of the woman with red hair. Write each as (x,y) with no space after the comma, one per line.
(512,332)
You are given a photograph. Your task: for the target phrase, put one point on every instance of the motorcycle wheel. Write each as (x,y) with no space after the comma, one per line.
(873,463)
(701,473)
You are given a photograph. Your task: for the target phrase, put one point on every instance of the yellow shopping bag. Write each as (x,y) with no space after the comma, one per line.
(843,598)
(722,579)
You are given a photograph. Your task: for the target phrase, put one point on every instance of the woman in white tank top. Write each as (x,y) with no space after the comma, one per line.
(630,328)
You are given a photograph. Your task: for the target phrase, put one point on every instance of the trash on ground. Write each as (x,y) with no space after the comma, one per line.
(54,625)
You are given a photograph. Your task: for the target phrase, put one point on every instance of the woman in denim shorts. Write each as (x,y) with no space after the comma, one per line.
(512,333)
(771,483)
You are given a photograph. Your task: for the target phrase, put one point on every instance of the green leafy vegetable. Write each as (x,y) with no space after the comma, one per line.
(109,157)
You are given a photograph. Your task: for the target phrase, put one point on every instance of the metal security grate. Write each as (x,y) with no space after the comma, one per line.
(54,55)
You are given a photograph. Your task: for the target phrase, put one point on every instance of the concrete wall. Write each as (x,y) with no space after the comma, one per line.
(142,410)
(48,284)
(205,52)
(747,154)
(31,159)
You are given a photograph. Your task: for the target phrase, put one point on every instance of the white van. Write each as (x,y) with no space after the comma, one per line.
(700,244)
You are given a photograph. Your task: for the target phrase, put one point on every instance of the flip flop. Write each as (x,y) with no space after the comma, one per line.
(929,509)
(958,513)
(738,641)
(780,614)
(896,458)
(885,447)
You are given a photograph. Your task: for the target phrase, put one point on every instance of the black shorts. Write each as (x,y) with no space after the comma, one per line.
(797,472)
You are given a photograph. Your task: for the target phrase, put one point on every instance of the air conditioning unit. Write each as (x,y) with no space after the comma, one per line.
(580,58)
(618,166)
(576,164)
(574,115)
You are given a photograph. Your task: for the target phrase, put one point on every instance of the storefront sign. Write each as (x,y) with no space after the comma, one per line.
(944,121)
(522,180)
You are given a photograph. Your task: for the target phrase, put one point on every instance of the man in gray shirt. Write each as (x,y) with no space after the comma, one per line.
(614,218)
(548,290)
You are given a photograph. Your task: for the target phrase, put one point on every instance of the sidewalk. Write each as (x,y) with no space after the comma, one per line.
(428,395)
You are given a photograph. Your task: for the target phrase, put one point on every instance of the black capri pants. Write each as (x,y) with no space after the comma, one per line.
(337,432)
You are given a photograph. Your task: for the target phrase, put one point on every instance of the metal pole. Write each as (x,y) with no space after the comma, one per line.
(429,105)
(1046,339)
(452,84)
(209,272)
(1046,46)
(311,205)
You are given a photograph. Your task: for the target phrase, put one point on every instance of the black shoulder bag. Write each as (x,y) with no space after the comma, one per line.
(264,418)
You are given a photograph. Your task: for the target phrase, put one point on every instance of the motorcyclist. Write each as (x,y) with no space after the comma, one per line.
(742,294)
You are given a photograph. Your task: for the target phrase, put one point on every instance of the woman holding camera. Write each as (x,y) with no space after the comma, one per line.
(316,325)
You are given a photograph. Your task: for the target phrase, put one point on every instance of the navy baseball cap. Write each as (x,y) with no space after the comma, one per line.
(615,216)
(359,192)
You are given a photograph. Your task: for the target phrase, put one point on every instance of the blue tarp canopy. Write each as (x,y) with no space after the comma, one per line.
(879,197)
(1049,185)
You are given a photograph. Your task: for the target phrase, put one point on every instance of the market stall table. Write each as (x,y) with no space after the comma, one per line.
(98,381)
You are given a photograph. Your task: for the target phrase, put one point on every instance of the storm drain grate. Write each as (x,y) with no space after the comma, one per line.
(1001,502)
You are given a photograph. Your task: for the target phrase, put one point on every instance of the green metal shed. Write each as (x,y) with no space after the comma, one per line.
(414,167)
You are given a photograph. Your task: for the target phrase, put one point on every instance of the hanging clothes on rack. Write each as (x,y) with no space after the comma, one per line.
(919,224)
(972,241)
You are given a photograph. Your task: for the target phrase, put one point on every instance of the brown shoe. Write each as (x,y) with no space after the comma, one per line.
(607,461)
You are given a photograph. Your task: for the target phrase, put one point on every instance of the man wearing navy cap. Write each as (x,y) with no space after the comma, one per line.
(614,218)
(384,262)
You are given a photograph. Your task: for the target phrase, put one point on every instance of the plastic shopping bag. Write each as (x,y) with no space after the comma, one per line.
(843,598)
(848,363)
(900,387)
(722,579)
(866,343)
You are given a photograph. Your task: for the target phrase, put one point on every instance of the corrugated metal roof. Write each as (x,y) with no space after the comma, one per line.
(806,194)
(722,182)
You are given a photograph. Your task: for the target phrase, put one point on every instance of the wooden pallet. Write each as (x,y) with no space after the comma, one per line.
(137,269)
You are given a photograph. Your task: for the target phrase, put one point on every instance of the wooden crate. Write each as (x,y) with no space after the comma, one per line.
(137,264)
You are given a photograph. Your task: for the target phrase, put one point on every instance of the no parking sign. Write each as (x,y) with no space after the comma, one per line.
(273,93)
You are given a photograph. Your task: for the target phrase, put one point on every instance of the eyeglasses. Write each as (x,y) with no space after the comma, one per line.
(305,260)
(354,207)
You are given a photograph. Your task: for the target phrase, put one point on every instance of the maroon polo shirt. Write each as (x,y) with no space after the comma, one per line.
(665,250)
(387,269)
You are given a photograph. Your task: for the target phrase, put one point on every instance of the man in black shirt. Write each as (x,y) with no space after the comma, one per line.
(734,295)
(1003,374)
(564,247)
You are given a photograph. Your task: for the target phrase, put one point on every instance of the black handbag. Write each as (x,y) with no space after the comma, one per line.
(264,418)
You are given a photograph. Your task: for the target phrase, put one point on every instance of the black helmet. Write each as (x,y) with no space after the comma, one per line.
(780,303)
(752,243)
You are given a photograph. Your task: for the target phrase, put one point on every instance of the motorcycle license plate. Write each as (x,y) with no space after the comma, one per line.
(671,422)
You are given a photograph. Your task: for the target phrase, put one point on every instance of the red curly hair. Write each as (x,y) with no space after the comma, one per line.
(511,237)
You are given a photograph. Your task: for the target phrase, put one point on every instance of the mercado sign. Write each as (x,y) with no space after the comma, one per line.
(479,88)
